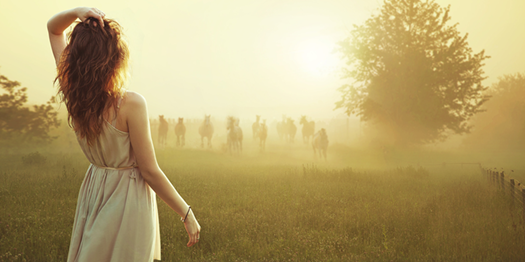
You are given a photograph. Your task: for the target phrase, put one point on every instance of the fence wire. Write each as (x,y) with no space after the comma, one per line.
(507,184)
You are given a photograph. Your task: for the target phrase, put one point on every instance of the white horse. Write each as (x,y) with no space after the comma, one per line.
(234,136)
(320,143)
(206,130)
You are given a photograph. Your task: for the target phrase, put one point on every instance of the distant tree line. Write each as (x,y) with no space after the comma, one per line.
(502,126)
(20,123)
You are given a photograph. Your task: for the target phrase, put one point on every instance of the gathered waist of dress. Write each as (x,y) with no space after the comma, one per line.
(116,168)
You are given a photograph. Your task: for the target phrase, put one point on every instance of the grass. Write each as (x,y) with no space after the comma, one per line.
(279,206)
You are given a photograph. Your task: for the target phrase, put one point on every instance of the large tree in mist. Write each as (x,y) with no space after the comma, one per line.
(414,76)
(20,123)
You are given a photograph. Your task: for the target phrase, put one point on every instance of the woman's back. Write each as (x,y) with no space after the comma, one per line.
(112,148)
(115,208)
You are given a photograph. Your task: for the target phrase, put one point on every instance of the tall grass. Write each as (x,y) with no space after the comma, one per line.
(279,207)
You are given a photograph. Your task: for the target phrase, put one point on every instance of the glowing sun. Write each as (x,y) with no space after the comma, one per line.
(316,56)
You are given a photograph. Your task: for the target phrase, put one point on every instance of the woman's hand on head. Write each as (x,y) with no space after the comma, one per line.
(84,13)
(59,22)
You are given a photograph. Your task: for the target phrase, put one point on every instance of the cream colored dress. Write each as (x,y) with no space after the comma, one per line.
(116,217)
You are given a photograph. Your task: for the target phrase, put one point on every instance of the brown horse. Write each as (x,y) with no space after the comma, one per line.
(281,128)
(262,134)
(290,130)
(255,127)
(320,143)
(180,132)
(163,130)
(308,129)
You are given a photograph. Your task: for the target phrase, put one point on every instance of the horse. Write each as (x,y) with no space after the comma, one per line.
(180,132)
(290,130)
(206,130)
(281,128)
(163,130)
(320,143)
(255,127)
(262,134)
(234,135)
(239,132)
(308,129)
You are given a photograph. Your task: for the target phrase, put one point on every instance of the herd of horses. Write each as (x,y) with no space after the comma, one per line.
(286,129)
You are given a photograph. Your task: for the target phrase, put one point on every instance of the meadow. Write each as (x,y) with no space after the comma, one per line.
(281,205)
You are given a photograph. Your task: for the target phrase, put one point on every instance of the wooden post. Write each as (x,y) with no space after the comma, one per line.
(502,180)
(512,185)
(523,200)
(496,179)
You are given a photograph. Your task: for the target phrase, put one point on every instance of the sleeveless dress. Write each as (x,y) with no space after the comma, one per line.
(116,218)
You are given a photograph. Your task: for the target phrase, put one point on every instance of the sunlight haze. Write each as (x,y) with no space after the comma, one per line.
(242,58)
(240,99)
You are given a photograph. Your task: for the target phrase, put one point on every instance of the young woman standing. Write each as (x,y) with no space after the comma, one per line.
(116,217)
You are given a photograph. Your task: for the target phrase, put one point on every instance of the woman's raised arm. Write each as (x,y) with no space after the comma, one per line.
(59,22)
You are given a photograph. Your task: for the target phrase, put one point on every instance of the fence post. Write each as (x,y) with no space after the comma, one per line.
(523,200)
(496,179)
(512,185)
(502,180)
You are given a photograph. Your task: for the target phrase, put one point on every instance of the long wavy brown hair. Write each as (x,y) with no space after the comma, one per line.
(91,74)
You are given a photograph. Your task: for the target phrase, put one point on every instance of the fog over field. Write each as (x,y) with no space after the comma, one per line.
(240,57)
(297,130)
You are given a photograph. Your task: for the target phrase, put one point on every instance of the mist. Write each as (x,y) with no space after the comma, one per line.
(240,58)
(304,160)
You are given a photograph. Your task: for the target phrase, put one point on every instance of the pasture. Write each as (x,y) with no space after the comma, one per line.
(281,205)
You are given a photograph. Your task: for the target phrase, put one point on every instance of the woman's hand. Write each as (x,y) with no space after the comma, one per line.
(193,228)
(59,22)
(84,13)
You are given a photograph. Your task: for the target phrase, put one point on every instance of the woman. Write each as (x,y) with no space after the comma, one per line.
(116,217)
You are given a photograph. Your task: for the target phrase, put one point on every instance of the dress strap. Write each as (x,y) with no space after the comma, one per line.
(116,112)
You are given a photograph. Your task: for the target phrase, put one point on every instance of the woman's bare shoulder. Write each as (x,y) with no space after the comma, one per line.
(134,99)
(133,104)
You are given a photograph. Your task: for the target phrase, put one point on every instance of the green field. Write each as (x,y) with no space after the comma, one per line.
(281,205)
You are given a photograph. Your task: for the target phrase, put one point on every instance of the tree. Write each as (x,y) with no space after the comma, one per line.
(414,76)
(20,124)
(502,126)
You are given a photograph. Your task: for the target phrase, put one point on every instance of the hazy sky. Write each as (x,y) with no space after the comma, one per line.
(240,57)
